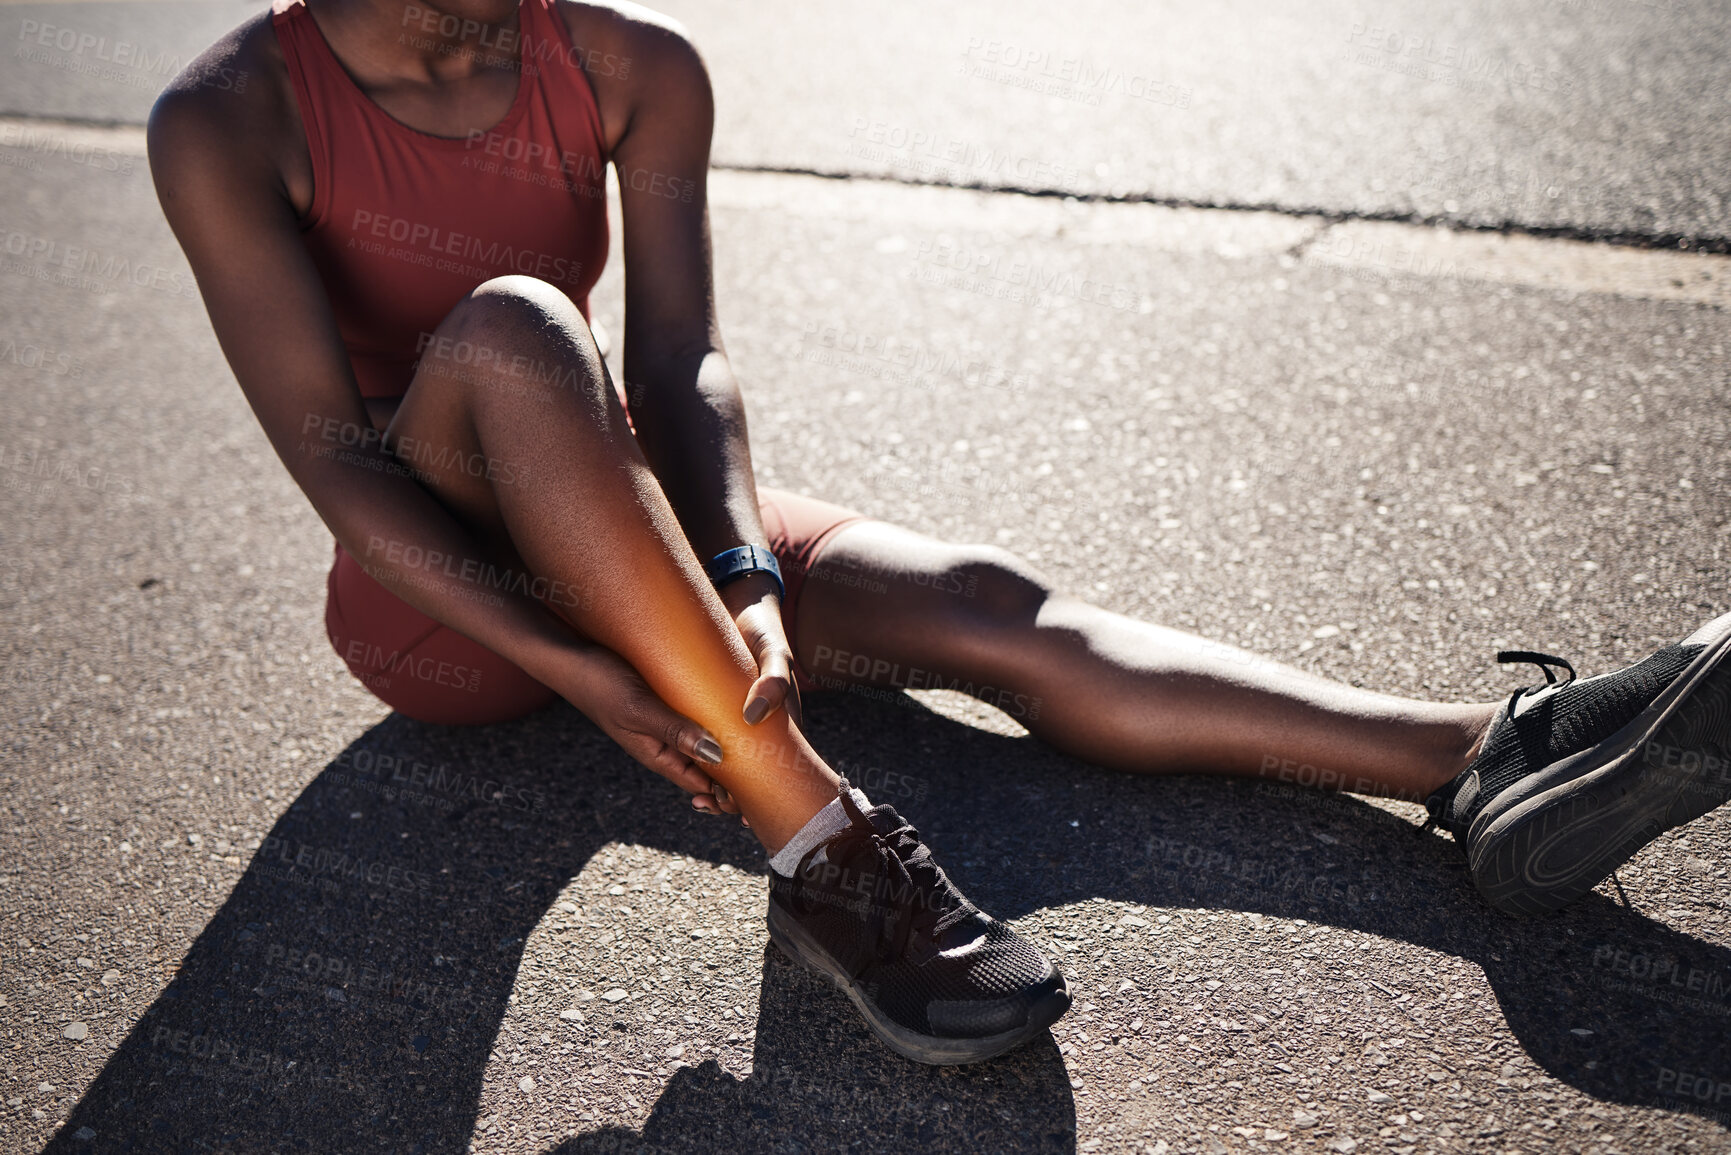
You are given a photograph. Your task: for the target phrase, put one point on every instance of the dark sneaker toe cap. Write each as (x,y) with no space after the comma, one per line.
(1036,1008)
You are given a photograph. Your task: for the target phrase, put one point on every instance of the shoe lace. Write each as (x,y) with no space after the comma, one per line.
(929,900)
(1440,801)
(1545,662)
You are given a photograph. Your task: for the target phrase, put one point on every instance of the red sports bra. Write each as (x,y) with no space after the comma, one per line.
(404,224)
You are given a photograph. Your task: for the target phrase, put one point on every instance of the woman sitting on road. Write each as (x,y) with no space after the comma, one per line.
(396,226)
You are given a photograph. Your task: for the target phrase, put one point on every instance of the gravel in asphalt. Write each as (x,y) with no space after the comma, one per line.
(286,919)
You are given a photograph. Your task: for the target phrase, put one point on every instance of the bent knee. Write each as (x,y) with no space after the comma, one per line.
(509,314)
(516,336)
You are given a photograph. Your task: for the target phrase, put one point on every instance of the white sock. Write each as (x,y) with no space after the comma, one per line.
(826,823)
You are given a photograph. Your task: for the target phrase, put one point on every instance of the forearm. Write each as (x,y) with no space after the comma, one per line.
(690,420)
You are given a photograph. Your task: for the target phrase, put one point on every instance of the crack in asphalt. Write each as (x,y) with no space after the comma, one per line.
(1308,241)
(1624,238)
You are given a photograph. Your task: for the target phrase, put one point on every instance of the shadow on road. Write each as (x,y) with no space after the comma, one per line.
(815,1088)
(417,908)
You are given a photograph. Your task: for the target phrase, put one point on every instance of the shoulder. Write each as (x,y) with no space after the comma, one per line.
(638,47)
(234,100)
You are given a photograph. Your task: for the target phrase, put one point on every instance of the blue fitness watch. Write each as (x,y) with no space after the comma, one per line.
(730,564)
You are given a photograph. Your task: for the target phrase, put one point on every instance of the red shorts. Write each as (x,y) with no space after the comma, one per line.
(432,673)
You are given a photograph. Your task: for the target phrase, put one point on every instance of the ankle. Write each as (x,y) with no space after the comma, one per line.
(783,784)
(829,821)
(1475,730)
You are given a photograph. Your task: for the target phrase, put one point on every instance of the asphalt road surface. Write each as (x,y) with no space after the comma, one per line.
(1592,117)
(243,907)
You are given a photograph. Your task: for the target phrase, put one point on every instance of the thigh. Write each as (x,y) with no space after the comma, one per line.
(509,395)
(887,606)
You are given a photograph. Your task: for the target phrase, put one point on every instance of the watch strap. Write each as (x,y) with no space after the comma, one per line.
(732,564)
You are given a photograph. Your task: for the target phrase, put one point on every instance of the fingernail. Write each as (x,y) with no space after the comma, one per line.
(755,710)
(709,750)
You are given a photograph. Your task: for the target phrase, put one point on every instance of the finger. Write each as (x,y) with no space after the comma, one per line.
(772,686)
(667,762)
(679,732)
(724,799)
(706,804)
(676,768)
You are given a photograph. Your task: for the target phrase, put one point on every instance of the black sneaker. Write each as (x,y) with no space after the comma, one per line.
(1576,776)
(936,979)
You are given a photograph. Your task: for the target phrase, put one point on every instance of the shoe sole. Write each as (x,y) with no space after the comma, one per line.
(931,1050)
(1559,834)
